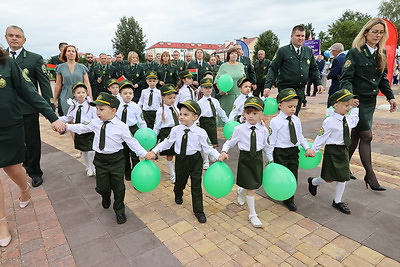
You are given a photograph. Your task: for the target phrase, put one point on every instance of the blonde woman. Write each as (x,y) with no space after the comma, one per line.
(364,73)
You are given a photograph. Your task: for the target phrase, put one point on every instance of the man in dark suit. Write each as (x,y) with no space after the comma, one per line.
(119,63)
(248,67)
(103,72)
(321,64)
(32,65)
(261,66)
(336,67)
(55,60)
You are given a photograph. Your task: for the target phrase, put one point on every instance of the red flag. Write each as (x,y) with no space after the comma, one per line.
(193,71)
(122,78)
(51,66)
(391,45)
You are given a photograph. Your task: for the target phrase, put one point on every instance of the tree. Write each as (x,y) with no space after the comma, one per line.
(309,30)
(390,10)
(267,41)
(323,37)
(129,37)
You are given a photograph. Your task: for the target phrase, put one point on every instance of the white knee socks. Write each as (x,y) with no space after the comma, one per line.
(88,157)
(170,165)
(251,203)
(339,191)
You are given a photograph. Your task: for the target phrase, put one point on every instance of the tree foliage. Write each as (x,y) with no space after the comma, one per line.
(309,30)
(267,41)
(390,10)
(129,37)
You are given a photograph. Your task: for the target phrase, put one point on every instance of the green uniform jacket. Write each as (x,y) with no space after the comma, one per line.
(147,66)
(92,73)
(215,69)
(248,69)
(261,70)
(361,76)
(167,73)
(119,66)
(106,73)
(135,74)
(200,69)
(180,65)
(32,64)
(290,70)
(15,85)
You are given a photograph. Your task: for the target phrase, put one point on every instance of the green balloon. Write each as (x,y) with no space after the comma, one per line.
(270,106)
(145,176)
(225,83)
(229,127)
(279,182)
(146,137)
(308,163)
(218,179)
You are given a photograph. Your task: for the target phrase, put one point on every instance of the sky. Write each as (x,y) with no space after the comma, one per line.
(91,25)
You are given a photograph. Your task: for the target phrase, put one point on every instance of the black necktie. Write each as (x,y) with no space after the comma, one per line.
(102,142)
(150,98)
(184,142)
(298,51)
(200,63)
(214,113)
(346,132)
(191,93)
(292,130)
(78,114)
(13,53)
(253,141)
(174,116)
(124,113)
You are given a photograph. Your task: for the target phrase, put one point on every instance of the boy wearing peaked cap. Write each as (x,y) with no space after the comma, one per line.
(252,140)
(109,134)
(150,99)
(185,88)
(244,85)
(188,141)
(286,135)
(210,109)
(113,87)
(335,134)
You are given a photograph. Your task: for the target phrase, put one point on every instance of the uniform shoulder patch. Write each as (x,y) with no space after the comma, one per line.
(25,76)
(347,63)
(321,131)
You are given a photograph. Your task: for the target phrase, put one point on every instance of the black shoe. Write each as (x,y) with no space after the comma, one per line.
(121,218)
(312,188)
(341,206)
(290,205)
(37,181)
(178,200)
(201,217)
(313,95)
(352,177)
(374,187)
(304,104)
(128,176)
(106,202)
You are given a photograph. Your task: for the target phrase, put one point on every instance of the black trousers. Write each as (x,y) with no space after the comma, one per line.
(33,145)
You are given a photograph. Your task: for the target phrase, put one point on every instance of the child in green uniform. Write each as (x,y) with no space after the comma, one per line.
(252,140)
(285,136)
(113,87)
(188,140)
(109,134)
(129,113)
(166,118)
(81,112)
(185,87)
(244,85)
(210,108)
(150,99)
(335,133)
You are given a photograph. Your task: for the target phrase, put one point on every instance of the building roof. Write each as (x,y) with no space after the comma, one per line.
(226,45)
(184,45)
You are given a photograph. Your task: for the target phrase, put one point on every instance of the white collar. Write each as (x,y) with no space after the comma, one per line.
(372,50)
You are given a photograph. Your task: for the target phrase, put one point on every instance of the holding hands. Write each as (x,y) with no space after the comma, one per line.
(59,126)
(310,153)
(223,156)
(150,155)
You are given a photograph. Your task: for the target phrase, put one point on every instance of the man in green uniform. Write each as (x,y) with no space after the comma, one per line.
(103,72)
(150,64)
(55,60)
(91,65)
(180,64)
(248,67)
(119,63)
(261,66)
(292,66)
(33,66)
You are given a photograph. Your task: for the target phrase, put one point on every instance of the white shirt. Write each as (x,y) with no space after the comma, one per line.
(238,106)
(145,96)
(168,118)
(241,137)
(17,52)
(117,132)
(206,111)
(88,112)
(133,114)
(184,94)
(331,132)
(197,141)
(280,135)
(371,50)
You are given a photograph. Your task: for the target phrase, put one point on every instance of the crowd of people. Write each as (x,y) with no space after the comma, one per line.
(105,103)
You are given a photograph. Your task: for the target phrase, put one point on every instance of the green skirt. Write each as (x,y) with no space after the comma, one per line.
(209,124)
(164,133)
(84,142)
(12,145)
(335,165)
(366,113)
(150,117)
(250,170)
